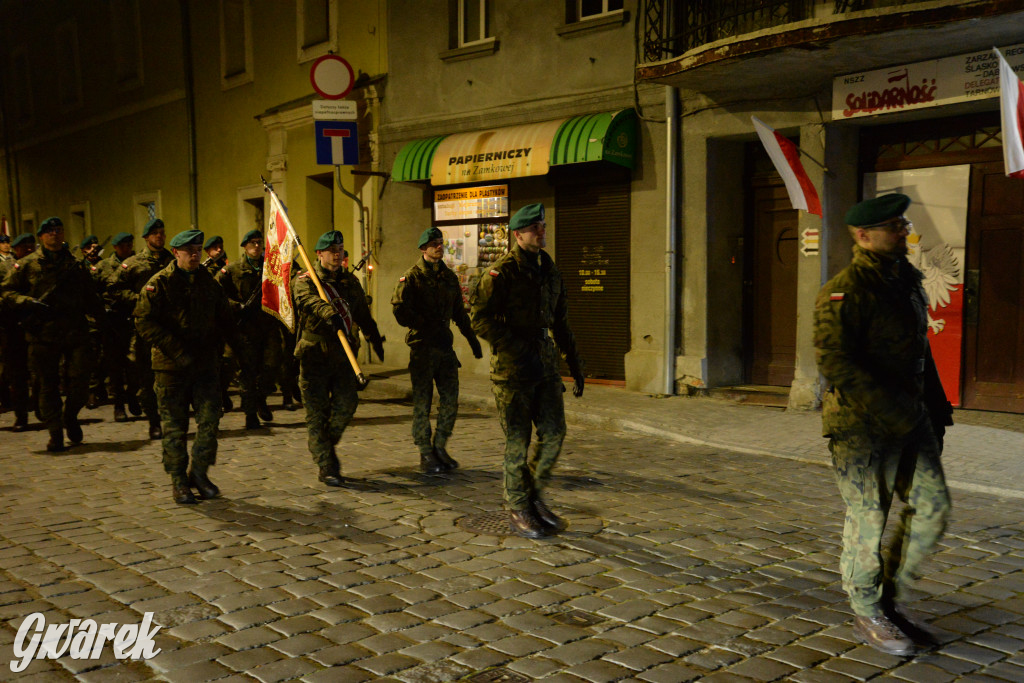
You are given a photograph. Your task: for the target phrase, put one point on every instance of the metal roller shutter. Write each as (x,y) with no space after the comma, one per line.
(592,252)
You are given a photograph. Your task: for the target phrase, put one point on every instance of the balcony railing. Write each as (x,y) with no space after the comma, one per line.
(673,27)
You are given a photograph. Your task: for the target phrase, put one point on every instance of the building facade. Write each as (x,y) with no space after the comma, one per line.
(885,95)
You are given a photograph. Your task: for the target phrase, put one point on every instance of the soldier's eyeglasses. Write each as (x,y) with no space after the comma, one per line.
(894,225)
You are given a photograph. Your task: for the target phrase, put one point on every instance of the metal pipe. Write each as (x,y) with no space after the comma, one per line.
(190,111)
(671,234)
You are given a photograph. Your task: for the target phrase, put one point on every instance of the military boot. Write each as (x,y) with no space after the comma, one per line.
(331,475)
(430,463)
(548,518)
(56,442)
(182,494)
(73,429)
(442,455)
(883,635)
(251,421)
(133,406)
(155,431)
(20,421)
(525,523)
(200,481)
(263,412)
(119,414)
(225,402)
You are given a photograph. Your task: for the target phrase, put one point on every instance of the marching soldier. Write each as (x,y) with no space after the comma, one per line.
(260,350)
(216,257)
(519,306)
(123,290)
(13,345)
(55,289)
(885,414)
(179,314)
(427,299)
(5,249)
(117,342)
(326,379)
(90,247)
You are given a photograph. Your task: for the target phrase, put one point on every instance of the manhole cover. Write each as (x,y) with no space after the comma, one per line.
(577,617)
(498,675)
(488,523)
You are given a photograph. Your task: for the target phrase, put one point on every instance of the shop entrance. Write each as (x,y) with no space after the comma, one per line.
(592,252)
(772,240)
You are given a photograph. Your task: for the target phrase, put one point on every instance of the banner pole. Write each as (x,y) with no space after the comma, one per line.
(360,377)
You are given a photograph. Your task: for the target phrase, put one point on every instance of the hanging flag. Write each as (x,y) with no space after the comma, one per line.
(4,228)
(1011,105)
(277,265)
(786,158)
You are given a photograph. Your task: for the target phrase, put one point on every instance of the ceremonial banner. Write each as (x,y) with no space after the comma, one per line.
(277,265)
(1011,104)
(786,158)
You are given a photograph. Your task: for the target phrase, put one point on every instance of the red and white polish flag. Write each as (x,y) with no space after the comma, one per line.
(786,157)
(1011,105)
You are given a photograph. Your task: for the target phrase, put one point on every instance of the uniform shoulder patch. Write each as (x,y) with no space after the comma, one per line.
(17,265)
(93,268)
(124,265)
(836,296)
(495,273)
(401,279)
(150,288)
(224,270)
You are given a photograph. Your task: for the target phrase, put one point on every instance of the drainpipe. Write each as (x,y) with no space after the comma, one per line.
(190,110)
(671,235)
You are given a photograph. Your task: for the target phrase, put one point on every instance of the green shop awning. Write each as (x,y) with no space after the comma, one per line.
(519,151)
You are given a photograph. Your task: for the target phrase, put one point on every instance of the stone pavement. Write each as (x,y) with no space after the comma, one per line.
(703,546)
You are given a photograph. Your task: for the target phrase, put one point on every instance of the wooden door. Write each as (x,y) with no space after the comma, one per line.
(994,292)
(771,292)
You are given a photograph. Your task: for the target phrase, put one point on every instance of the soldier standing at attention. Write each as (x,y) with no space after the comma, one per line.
(55,288)
(326,379)
(427,299)
(5,249)
(216,257)
(885,414)
(260,351)
(13,345)
(520,307)
(123,290)
(121,379)
(180,313)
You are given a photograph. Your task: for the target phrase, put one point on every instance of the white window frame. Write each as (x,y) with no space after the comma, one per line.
(311,52)
(129,79)
(604,10)
(140,215)
(228,81)
(484,16)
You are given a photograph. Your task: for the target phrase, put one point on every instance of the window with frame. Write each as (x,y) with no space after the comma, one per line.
(588,9)
(316,25)
(474,19)
(126,44)
(69,78)
(235,43)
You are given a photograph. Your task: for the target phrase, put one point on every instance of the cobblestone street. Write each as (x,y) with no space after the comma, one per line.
(682,562)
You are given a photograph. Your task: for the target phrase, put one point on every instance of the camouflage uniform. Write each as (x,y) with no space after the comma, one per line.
(123,288)
(328,384)
(121,379)
(13,354)
(180,316)
(520,308)
(227,365)
(98,334)
(884,413)
(259,353)
(62,283)
(428,297)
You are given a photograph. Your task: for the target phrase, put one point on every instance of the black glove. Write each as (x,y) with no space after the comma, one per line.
(577,384)
(474,344)
(338,323)
(378,348)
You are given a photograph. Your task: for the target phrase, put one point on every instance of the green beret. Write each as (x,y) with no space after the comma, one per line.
(22,238)
(527,216)
(121,238)
(877,210)
(329,239)
(251,235)
(429,235)
(213,241)
(51,223)
(186,238)
(4,238)
(154,224)
(89,239)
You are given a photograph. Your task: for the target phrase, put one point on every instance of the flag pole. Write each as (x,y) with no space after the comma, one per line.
(816,162)
(360,377)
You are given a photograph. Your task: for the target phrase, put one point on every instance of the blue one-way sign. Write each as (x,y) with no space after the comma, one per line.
(337,143)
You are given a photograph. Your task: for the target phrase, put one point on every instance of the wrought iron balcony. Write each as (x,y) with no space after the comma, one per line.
(673,27)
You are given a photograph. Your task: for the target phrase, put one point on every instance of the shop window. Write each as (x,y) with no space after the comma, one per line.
(469,23)
(316,25)
(235,43)
(22,82)
(584,16)
(69,80)
(126,44)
